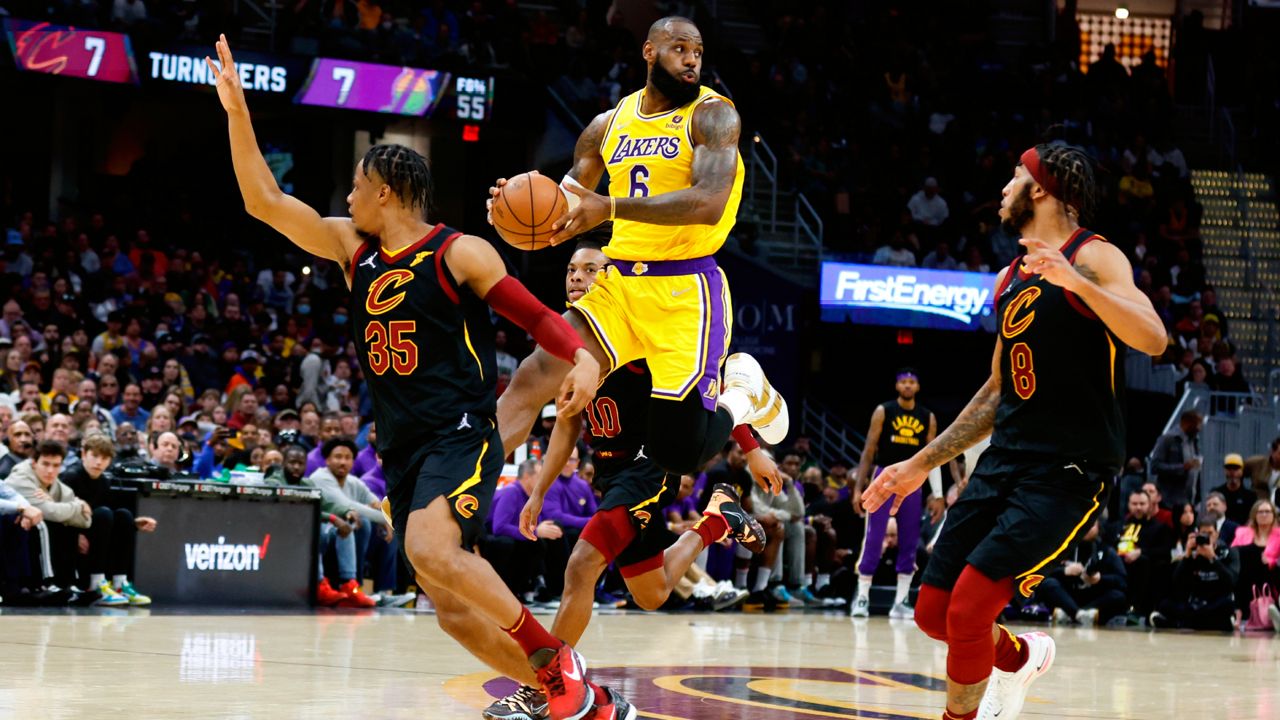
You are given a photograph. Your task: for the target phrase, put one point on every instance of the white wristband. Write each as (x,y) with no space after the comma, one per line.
(571,197)
(935,482)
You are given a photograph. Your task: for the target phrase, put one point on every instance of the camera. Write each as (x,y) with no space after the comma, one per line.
(1203,538)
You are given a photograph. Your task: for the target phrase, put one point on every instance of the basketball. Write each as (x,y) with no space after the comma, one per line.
(525,209)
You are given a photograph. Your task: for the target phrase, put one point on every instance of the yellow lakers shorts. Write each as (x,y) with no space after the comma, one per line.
(676,314)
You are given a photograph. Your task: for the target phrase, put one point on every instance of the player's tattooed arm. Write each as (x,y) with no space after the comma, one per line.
(716,129)
(974,423)
(588,164)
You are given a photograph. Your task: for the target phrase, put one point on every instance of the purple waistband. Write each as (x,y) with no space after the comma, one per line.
(666,268)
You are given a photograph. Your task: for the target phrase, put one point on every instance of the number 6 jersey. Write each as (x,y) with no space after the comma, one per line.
(1062,371)
(425,344)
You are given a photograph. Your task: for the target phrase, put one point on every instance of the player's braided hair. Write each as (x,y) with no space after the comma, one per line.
(405,171)
(1072,167)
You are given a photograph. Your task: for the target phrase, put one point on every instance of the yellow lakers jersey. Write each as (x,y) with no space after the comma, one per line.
(653,154)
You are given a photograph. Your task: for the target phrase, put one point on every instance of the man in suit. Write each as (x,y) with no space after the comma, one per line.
(1215,506)
(1263,472)
(1176,460)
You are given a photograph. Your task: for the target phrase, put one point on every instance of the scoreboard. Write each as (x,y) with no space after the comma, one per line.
(71,52)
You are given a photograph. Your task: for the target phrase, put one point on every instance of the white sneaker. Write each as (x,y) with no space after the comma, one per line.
(1006,692)
(902,611)
(769,415)
(1060,617)
(1087,617)
(861,607)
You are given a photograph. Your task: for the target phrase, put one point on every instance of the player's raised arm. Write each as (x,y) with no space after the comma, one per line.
(332,238)
(1103,278)
(477,265)
(716,129)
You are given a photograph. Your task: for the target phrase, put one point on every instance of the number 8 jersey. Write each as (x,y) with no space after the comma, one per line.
(425,344)
(1062,370)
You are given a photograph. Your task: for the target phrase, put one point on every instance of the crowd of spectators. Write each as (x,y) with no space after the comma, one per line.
(127,352)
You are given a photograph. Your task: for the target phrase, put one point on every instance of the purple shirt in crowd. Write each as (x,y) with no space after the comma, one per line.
(689,504)
(375,481)
(570,502)
(366,459)
(504,515)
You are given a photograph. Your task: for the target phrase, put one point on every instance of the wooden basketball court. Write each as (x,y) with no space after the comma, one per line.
(139,664)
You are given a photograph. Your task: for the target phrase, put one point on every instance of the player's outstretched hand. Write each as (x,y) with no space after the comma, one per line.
(1048,262)
(897,482)
(230,91)
(529,516)
(579,386)
(591,210)
(765,471)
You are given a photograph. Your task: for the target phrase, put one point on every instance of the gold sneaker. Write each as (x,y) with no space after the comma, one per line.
(769,415)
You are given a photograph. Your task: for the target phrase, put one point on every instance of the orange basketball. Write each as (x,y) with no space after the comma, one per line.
(525,208)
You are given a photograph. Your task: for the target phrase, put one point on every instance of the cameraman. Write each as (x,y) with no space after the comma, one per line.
(1088,586)
(213,457)
(1201,596)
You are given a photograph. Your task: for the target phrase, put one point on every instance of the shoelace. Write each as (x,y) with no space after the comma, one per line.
(524,699)
(552,681)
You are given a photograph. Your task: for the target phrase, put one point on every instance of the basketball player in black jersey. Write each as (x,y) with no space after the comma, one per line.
(628,528)
(425,343)
(1066,310)
(898,428)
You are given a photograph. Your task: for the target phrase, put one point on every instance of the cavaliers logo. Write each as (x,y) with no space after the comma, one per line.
(1012,326)
(643,517)
(746,693)
(466,505)
(1028,584)
(375,303)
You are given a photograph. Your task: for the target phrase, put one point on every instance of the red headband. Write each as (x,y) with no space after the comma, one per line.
(1031,161)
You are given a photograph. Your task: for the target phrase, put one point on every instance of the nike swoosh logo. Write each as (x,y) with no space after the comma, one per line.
(678,293)
(573,673)
(736,516)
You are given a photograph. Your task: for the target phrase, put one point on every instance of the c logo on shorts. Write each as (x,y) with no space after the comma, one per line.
(1028,584)
(643,516)
(466,505)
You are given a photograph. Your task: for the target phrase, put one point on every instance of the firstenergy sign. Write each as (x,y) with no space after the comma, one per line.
(907,297)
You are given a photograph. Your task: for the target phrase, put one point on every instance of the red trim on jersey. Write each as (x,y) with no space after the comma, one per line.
(393,256)
(446,281)
(1072,299)
(1008,277)
(634,368)
(355,260)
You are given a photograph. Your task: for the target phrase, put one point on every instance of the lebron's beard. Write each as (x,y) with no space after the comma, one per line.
(679,92)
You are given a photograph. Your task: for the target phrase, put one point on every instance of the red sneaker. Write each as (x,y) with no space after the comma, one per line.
(355,597)
(563,676)
(326,595)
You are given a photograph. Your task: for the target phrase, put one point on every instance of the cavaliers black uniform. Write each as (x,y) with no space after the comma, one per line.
(427,351)
(625,476)
(1058,440)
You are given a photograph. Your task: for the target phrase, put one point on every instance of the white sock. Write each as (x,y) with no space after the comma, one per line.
(737,402)
(740,578)
(822,580)
(904,589)
(96,579)
(762,578)
(864,587)
(118,581)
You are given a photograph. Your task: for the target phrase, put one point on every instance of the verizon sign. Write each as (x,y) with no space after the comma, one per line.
(226,557)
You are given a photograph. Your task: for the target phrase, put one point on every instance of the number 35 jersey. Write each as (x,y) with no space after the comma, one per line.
(425,344)
(1062,371)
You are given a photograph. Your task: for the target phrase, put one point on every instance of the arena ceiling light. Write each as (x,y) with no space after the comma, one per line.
(1122,12)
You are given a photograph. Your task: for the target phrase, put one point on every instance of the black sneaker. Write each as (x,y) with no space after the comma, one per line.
(82,598)
(760,600)
(525,703)
(744,528)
